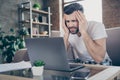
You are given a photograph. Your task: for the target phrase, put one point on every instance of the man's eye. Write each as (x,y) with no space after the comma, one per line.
(74,20)
(67,21)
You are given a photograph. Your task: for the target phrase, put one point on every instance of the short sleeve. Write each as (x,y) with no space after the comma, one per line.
(97,30)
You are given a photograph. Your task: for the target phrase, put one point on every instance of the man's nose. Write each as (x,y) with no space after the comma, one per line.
(70,24)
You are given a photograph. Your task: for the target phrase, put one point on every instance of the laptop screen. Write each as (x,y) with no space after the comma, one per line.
(50,50)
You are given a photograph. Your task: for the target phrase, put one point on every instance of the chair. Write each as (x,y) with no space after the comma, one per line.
(21,55)
(113,45)
(19,62)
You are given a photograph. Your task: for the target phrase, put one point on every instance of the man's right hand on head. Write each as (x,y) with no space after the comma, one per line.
(66,34)
(66,31)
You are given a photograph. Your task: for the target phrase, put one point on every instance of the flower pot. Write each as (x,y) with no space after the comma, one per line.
(37,71)
(37,8)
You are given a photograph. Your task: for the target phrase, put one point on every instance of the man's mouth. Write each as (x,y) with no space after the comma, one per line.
(73,30)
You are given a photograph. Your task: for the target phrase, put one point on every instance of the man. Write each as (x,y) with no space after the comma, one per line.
(86,40)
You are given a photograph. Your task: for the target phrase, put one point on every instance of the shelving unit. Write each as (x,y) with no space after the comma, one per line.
(25,10)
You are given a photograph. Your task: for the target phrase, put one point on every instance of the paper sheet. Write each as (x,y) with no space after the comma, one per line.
(14,66)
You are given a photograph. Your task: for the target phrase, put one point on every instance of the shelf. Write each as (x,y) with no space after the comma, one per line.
(33,21)
(35,35)
(39,23)
(36,11)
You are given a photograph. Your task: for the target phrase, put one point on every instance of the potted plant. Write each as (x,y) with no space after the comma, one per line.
(9,44)
(38,67)
(36,6)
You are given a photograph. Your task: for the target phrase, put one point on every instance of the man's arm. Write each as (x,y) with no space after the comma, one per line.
(66,35)
(66,42)
(96,48)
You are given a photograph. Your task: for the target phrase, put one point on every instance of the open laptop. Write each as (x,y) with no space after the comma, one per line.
(51,51)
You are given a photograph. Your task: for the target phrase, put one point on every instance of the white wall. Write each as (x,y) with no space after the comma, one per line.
(92,9)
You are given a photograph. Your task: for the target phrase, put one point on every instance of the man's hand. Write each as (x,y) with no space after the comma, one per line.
(82,21)
(96,48)
(66,34)
(66,31)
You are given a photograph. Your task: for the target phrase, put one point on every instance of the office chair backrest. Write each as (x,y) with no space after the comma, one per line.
(113,45)
(21,55)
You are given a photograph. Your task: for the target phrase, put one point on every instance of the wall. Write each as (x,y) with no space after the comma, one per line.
(9,13)
(111,13)
(54,5)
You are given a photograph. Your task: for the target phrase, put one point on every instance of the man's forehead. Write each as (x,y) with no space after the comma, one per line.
(70,16)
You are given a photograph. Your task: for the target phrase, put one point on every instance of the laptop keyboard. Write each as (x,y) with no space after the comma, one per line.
(76,66)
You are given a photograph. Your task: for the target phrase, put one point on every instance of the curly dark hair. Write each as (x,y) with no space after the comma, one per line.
(73,7)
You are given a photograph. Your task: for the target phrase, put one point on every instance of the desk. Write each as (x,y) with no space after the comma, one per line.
(8,77)
(108,72)
(104,72)
(98,72)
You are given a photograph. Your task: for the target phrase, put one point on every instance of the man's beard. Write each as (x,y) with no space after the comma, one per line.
(75,32)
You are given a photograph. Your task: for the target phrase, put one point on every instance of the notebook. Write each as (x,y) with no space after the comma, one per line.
(52,51)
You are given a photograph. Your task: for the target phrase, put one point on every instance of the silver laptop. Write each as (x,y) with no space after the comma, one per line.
(51,51)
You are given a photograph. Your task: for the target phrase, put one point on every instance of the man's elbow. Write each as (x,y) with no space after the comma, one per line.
(100,58)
